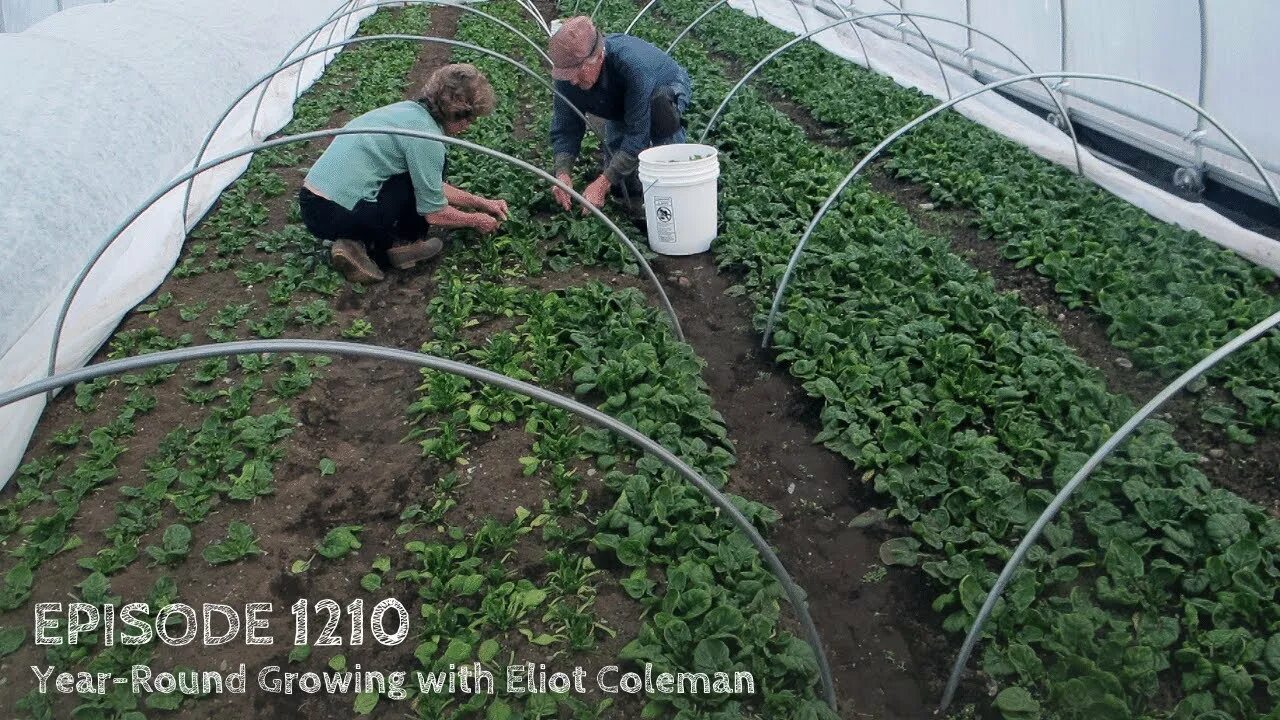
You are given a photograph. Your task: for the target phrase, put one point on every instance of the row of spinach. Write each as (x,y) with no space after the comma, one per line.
(1167,296)
(1152,595)
(701,598)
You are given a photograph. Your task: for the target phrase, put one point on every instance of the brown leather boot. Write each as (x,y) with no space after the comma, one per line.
(351,259)
(406,256)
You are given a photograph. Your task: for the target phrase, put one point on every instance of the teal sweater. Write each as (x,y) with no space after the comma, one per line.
(354,167)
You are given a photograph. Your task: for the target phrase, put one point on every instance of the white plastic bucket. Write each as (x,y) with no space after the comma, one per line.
(680,205)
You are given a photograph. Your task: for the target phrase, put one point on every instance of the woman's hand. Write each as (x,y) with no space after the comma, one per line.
(496,208)
(484,224)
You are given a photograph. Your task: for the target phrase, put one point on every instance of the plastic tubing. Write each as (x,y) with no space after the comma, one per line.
(794,594)
(1053,97)
(875,152)
(651,3)
(266,78)
(858,18)
(303,137)
(1050,512)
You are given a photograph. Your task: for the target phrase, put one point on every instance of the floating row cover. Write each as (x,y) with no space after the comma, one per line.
(103,105)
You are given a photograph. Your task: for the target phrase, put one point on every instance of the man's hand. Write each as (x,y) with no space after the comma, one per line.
(496,208)
(560,195)
(596,192)
(484,224)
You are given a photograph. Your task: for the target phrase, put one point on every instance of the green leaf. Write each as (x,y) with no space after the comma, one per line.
(1123,561)
(499,710)
(366,702)
(711,656)
(900,551)
(327,467)
(540,706)
(177,538)
(1272,652)
(11,638)
(874,516)
(488,650)
(340,541)
(541,639)
(299,653)
(93,589)
(338,662)
(239,543)
(457,652)
(1015,703)
(371,582)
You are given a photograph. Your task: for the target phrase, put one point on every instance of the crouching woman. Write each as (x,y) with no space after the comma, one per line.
(375,195)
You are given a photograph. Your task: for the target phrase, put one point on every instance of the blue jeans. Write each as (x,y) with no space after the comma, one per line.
(668,105)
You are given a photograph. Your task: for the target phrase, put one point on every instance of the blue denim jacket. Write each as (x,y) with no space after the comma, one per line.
(633,70)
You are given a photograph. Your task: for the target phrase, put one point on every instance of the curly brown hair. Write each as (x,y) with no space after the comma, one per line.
(457,92)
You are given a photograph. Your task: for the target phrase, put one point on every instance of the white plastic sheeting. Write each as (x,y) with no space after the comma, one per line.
(1213,53)
(108,103)
(18,15)
(912,68)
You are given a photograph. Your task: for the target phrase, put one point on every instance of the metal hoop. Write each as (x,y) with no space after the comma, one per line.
(793,592)
(311,36)
(303,137)
(795,255)
(208,138)
(1071,130)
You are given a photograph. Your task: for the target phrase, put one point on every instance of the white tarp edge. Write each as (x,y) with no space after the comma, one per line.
(112,103)
(909,67)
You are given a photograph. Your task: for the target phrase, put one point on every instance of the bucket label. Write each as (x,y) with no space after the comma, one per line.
(663,213)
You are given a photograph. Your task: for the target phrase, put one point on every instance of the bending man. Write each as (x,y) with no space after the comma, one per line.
(377,195)
(636,88)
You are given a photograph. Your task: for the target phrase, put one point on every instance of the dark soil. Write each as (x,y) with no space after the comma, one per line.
(881,636)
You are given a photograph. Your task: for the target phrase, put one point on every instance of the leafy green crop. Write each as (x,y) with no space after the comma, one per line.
(1146,597)
(174,545)
(1167,296)
(340,541)
(239,543)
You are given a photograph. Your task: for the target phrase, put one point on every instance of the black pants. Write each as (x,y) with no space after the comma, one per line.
(376,224)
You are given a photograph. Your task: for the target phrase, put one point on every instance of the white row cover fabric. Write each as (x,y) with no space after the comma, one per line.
(910,67)
(104,105)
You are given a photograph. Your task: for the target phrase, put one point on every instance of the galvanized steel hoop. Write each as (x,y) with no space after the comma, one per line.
(266,78)
(303,137)
(794,594)
(875,152)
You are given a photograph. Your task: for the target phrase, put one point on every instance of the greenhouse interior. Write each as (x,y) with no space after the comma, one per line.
(683,359)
